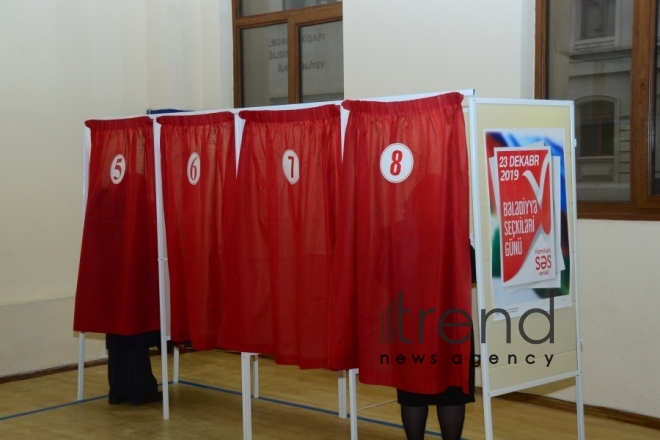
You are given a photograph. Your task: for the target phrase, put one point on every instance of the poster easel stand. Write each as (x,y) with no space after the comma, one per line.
(527,121)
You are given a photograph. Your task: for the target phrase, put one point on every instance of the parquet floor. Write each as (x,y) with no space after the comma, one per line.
(294,404)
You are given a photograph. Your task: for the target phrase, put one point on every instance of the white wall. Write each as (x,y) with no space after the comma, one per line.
(65,61)
(618,283)
(403,47)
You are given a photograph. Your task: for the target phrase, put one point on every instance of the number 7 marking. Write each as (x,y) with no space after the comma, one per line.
(291,170)
(293,163)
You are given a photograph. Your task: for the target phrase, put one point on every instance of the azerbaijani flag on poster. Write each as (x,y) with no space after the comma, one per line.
(523,183)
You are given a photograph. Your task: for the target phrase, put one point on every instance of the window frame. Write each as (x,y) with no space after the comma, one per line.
(294,19)
(582,44)
(643,205)
(579,103)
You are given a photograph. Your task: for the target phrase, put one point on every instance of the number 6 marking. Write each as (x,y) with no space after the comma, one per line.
(194,171)
(117,169)
(291,166)
(396,163)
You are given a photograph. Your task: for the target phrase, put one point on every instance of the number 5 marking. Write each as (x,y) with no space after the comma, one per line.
(117,169)
(291,166)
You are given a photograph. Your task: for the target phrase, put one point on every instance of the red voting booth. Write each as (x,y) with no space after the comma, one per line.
(199,170)
(117,288)
(403,244)
(280,256)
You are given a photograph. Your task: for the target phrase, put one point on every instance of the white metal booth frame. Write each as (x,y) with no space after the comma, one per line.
(479,194)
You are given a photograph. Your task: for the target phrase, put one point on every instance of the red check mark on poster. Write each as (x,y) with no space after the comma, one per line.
(538,190)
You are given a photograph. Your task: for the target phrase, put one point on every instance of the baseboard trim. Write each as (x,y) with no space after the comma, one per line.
(65,368)
(49,371)
(591,410)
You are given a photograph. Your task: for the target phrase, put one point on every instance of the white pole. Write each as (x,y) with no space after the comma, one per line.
(175,372)
(87,145)
(341,392)
(481,301)
(81,364)
(343,117)
(352,390)
(580,406)
(255,372)
(579,402)
(245,388)
(488,414)
(160,223)
(239,123)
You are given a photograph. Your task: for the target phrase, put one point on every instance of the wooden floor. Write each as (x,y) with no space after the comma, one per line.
(294,404)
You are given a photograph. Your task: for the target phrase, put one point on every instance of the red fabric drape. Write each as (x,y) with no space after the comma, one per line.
(283,235)
(402,256)
(199,170)
(117,288)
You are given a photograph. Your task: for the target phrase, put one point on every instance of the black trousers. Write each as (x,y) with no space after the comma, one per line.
(130,376)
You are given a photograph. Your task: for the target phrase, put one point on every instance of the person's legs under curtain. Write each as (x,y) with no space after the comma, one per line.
(143,387)
(451,418)
(414,421)
(130,377)
(118,376)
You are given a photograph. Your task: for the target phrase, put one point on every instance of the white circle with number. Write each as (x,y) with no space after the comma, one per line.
(291,166)
(117,169)
(194,168)
(396,163)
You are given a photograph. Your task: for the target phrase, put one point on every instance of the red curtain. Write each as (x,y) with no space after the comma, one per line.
(283,235)
(118,274)
(199,170)
(402,256)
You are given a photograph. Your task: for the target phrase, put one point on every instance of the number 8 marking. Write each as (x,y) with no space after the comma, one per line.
(395,168)
(396,163)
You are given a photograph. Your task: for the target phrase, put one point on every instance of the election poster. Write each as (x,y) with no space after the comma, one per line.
(529,233)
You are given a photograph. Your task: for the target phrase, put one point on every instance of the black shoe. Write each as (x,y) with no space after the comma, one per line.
(156,397)
(117,400)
